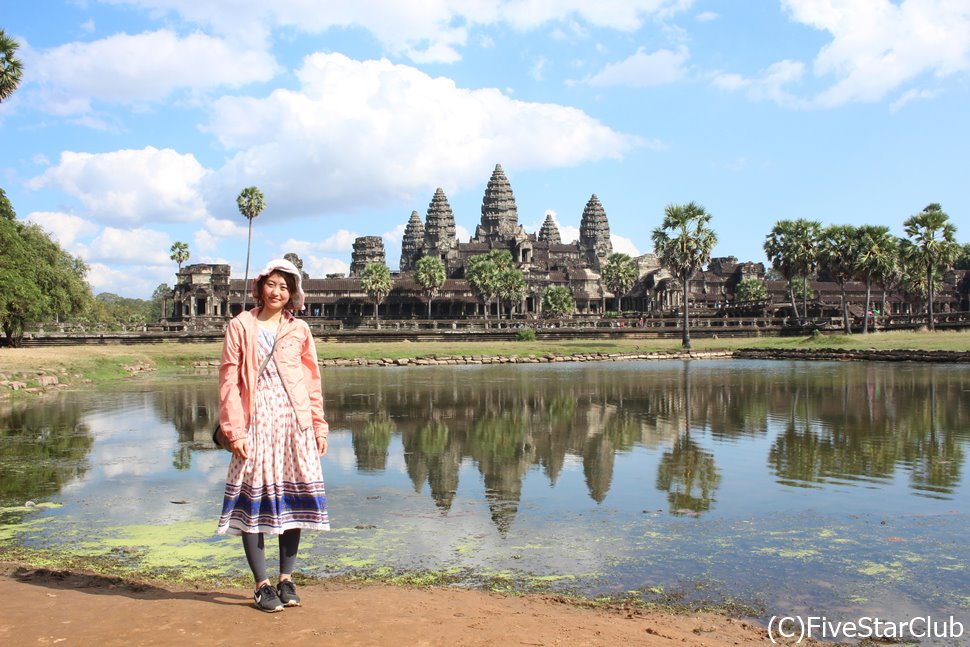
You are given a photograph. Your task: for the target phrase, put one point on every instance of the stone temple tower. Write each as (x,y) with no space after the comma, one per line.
(439,228)
(594,234)
(367,249)
(412,242)
(550,231)
(500,217)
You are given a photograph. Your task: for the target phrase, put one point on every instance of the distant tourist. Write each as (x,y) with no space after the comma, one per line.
(271,415)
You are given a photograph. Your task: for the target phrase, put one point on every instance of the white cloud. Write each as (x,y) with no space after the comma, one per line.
(395,236)
(707,16)
(144,67)
(124,282)
(131,247)
(359,134)
(878,48)
(340,241)
(911,95)
(206,241)
(223,227)
(66,228)
(622,245)
(319,266)
(644,70)
(130,186)
(568,234)
(462,234)
(428,31)
(769,86)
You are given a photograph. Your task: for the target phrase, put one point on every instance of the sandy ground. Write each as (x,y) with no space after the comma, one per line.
(43,607)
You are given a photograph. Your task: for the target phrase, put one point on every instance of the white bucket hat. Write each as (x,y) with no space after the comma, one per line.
(282,265)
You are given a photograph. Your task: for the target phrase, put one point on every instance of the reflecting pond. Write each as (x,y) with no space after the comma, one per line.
(833,488)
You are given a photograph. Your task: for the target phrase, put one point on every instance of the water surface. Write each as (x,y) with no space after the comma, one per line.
(830,488)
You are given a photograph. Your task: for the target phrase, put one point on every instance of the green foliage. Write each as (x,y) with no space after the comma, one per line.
(6,209)
(963,260)
(179,253)
(931,245)
(115,312)
(792,249)
(483,274)
(376,281)
(38,280)
(750,289)
(511,286)
(620,274)
(11,67)
(525,334)
(251,203)
(558,302)
(684,242)
(800,291)
(430,275)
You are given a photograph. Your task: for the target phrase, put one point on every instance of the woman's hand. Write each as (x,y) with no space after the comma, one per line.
(322,445)
(239,448)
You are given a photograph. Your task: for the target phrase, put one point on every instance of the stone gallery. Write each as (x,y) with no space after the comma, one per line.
(205,295)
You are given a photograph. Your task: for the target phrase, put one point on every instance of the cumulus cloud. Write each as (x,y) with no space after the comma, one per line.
(67,229)
(130,186)
(622,245)
(131,246)
(340,241)
(103,278)
(771,85)
(363,134)
(878,48)
(433,31)
(644,70)
(139,68)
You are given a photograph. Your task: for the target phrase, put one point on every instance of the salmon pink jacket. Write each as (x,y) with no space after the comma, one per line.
(296,362)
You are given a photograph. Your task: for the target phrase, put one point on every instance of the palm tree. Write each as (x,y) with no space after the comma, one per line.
(251,203)
(511,286)
(483,272)
(791,249)
(684,242)
(376,282)
(11,68)
(619,275)
(932,245)
(558,301)
(876,258)
(180,253)
(430,275)
(838,256)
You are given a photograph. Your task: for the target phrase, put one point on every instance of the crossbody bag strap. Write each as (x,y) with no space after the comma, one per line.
(266,361)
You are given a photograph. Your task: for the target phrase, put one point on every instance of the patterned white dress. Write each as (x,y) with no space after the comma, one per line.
(280,485)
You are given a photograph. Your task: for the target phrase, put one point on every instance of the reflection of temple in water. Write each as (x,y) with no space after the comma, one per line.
(510,422)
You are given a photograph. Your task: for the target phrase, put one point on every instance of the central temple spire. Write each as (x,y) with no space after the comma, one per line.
(500,217)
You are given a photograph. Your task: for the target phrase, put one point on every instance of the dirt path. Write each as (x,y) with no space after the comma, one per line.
(42,607)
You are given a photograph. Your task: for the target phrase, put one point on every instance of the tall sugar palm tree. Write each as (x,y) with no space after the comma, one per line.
(877,254)
(179,253)
(791,248)
(11,68)
(932,245)
(837,255)
(251,203)
(511,286)
(684,242)
(376,282)
(430,275)
(619,275)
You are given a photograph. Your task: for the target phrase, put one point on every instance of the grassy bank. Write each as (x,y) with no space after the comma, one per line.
(81,365)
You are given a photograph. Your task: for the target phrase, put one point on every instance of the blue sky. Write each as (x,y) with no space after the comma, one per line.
(139,121)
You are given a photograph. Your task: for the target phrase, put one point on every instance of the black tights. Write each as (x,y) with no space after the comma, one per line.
(256,555)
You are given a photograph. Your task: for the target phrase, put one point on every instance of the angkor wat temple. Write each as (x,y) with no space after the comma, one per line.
(205,295)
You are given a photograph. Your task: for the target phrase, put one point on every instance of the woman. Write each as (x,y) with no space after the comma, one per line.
(271,414)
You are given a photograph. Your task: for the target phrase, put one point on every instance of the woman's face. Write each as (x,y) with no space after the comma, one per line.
(275,293)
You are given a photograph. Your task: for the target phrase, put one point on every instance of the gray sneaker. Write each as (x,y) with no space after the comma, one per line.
(266,599)
(287,592)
